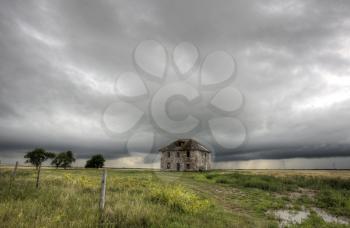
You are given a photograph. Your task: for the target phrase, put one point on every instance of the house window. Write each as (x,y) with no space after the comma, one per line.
(188,154)
(168,165)
(205,155)
(188,166)
(178,154)
(168,154)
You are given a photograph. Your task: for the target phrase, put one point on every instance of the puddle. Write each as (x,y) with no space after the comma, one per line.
(288,217)
(330,218)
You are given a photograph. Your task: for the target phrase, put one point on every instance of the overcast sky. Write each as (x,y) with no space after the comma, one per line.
(60,59)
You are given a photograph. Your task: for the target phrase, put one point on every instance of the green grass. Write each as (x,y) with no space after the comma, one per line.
(141,198)
(315,221)
(333,194)
(277,184)
(337,202)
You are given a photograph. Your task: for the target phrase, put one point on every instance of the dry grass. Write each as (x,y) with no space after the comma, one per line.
(146,198)
(310,173)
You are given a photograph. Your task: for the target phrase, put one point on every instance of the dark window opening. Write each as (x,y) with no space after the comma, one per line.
(168,154)
(178,166)
(188,154)
(168,165)
(188,166)
(177,154)
(181,143)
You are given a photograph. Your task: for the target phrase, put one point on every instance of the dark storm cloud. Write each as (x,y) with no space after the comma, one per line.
(59,60)
(286,152)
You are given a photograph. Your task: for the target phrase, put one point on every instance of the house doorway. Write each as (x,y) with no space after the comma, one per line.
(178,166)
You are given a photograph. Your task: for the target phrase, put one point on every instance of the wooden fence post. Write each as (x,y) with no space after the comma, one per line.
(103,189)
(14,173)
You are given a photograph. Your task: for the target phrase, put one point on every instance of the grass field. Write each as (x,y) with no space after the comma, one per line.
(144,198)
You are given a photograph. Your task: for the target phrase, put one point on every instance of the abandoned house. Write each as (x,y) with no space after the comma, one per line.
(185,155)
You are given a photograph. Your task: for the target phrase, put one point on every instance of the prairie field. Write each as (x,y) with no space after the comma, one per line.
(146,198)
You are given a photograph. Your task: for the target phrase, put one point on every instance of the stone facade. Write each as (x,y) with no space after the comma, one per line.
(185,155)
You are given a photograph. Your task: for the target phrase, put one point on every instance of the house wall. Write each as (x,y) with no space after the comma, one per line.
(197,160)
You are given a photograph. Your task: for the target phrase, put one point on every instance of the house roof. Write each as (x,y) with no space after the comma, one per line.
(184,144)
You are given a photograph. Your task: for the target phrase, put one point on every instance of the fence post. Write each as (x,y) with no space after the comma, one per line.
(14,173)
(103,190)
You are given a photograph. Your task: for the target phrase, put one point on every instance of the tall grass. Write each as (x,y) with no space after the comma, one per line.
(332,194)
(277,184)
(338,202)
(70,199)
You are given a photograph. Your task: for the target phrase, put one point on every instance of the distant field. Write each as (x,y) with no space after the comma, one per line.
(314,173)
(145,198)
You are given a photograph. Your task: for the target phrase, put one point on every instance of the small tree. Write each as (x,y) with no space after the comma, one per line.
(36,158)
(96,161)
(69,159)
(57,161)
(64,159)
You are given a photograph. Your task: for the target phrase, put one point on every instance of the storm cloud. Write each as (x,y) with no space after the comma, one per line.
(59,61)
